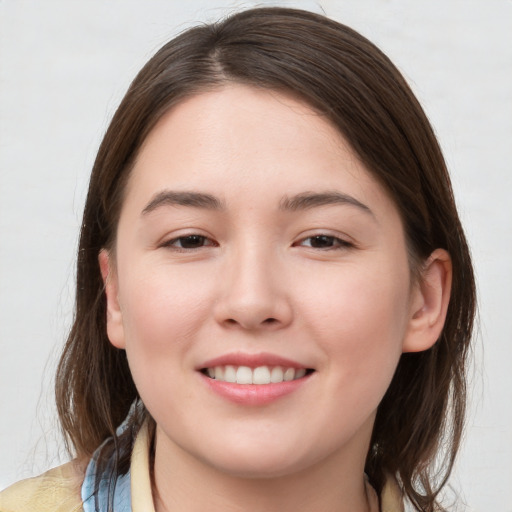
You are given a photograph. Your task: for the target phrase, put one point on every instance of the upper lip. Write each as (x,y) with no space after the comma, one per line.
(251,360)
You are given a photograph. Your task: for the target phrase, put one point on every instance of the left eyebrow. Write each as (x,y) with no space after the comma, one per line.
(307,200)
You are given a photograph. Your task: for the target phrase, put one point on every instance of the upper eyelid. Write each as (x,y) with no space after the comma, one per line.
(170,242)
(341,240)
(331,233)
(184,233)
(176,238)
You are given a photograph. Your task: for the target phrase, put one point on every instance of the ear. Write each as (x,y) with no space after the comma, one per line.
(115,329)
(429,303)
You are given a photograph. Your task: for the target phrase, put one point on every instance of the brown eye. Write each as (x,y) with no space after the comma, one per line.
(324,242)
(189,242)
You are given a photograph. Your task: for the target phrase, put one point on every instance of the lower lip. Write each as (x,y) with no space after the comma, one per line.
(254,394)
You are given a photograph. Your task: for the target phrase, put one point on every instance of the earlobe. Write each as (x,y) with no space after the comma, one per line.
(429,303)
(115,329)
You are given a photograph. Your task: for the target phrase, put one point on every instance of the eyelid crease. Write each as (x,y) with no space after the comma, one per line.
(339,243)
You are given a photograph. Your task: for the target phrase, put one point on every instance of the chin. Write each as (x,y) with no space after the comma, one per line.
(261,469)
(257,462)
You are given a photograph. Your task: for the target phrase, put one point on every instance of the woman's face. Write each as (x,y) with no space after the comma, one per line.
(254,246)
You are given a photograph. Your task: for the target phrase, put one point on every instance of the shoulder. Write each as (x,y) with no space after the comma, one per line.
(57,490)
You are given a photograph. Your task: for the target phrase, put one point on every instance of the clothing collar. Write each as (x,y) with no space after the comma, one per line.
(133,491)
(142,496)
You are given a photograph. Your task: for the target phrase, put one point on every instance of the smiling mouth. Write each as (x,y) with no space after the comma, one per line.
(259,375)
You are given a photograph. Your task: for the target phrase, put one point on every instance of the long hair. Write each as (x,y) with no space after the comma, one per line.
(352,83)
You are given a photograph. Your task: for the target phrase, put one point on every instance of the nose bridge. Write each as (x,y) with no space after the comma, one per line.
(254,291)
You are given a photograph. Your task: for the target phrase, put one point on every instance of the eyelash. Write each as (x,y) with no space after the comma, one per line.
(337,243)
(171,243)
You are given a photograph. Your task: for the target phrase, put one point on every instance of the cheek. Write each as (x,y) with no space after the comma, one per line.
(360,318)
(162,315)
(162,310)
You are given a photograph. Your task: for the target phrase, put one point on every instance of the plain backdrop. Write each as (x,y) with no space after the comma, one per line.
(65,64)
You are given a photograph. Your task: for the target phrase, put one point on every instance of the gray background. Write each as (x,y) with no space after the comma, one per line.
(64,66)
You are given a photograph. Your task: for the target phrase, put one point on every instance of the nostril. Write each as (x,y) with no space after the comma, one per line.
(252,323)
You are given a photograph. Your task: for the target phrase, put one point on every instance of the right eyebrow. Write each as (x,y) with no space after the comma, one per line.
(183,198)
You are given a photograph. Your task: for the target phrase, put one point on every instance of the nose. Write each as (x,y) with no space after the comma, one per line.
(253,293)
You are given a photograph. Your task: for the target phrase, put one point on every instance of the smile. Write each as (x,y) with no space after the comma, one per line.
(260,375)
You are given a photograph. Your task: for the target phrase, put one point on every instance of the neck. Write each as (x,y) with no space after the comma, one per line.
(193,485)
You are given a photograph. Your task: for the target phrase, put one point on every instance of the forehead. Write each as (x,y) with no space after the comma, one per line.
(236,113)
(250,141)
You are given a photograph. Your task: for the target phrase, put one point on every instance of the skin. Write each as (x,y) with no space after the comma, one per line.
(345,306)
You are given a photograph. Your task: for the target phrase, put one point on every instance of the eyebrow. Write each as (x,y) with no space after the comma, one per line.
(192,199)
(302,201)
(307,200)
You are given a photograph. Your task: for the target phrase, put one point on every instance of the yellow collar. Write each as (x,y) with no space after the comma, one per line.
(142,497)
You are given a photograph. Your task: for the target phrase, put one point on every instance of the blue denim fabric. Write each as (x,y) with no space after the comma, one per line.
(122,499)
(100,502)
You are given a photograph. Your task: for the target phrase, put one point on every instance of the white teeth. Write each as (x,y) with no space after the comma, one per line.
(230,374)
(259,375)
(289,374)
(244,375)
(219,373)
(276,375)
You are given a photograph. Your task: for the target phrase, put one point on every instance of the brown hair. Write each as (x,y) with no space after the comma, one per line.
(350,81)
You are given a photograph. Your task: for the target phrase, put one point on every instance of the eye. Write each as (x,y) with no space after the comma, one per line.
(324,242)
(189,242)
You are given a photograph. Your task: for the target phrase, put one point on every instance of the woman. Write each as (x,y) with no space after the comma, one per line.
(274,293)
